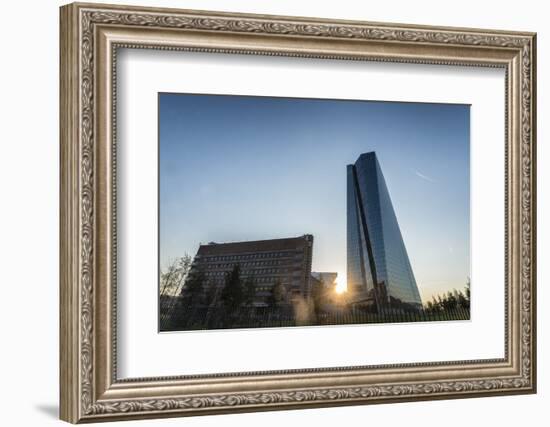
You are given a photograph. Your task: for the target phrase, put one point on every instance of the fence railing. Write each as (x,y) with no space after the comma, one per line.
(195,318)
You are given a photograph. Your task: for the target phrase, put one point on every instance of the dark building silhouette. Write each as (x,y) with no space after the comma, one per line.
(328,279)
(266,262)
(379,273)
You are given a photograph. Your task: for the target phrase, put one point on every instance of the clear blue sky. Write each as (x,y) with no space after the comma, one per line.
(236,168)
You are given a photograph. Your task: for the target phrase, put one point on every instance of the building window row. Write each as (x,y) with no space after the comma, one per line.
(246,264)
(252,272)
(261,255)
(217,277)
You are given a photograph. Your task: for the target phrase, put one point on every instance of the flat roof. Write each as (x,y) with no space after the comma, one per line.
(289,243)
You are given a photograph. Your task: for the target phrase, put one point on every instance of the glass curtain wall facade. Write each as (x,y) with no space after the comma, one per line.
(379,272)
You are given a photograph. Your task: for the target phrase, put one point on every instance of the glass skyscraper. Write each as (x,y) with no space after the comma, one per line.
(379,273)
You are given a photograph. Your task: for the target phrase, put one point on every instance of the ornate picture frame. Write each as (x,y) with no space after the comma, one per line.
(90,37)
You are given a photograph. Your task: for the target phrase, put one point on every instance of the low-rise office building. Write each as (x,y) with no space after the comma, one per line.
(265,262)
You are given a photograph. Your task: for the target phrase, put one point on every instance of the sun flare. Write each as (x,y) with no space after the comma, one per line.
(341,285)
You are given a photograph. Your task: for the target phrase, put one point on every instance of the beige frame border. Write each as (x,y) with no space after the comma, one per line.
(90,36)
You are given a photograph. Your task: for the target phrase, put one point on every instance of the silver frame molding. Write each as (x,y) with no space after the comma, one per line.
(90,37)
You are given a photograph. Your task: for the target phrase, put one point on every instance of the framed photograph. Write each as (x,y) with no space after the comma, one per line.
(266,212)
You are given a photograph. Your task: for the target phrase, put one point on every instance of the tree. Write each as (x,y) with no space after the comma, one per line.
(193,290)
(277,295)
(467,294)
(249,290)
(462,301)
(318,296)
(450,301)
(232,294)
(171,284)
(430,308)
(174,276)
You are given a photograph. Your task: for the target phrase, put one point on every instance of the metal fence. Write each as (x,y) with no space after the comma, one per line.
(196,318)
